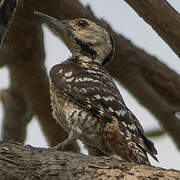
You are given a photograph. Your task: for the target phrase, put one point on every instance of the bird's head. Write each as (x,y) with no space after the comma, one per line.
(84,38)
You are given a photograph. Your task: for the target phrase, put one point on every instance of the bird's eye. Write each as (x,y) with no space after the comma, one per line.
(82,23)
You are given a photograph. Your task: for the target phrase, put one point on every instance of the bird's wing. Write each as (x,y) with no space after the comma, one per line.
(90,85)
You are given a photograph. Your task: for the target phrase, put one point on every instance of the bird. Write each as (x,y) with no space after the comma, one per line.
(85,99)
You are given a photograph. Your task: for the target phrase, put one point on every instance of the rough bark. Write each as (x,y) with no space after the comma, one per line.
(26,162)
(163,18)
(155,85)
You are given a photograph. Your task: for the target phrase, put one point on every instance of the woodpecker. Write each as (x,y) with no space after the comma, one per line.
(85,99)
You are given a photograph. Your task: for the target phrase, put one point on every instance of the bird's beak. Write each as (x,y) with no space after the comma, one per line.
(53,22)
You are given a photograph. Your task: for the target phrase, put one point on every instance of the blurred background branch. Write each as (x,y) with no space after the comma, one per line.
(155,133)
(7,10)
(163,18)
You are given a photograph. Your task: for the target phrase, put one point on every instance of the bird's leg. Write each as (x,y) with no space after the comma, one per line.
(67,141)
(64,143)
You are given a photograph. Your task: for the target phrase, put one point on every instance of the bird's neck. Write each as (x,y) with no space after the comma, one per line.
(82,58)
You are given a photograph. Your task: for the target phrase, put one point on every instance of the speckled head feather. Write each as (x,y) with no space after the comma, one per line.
(84,37)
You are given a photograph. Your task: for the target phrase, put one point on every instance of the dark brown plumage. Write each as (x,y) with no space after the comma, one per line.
(86,101)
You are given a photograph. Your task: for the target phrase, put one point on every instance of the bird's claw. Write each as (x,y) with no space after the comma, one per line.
(60,146)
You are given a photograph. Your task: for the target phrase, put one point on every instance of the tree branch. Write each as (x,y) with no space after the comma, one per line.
(155,133)
(7,10)
(25,162)
(16,116)
(163,18)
